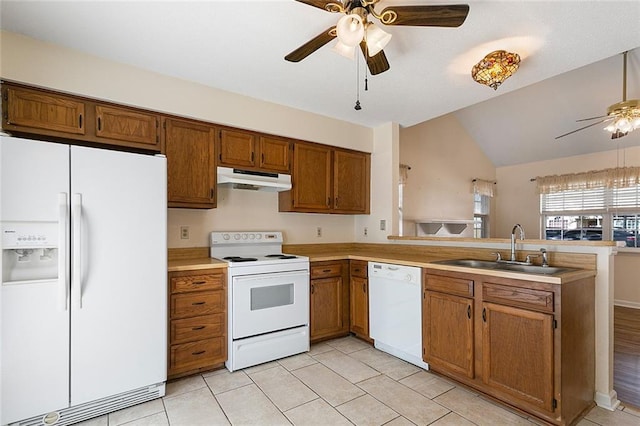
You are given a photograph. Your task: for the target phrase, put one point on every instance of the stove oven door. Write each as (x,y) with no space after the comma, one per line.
(264,303)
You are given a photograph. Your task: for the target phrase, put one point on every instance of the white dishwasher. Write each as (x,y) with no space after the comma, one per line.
(395,311)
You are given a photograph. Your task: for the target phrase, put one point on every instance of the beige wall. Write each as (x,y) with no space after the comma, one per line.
(30,61)
(444,159)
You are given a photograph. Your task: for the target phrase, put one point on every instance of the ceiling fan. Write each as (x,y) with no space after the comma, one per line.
(355,28)
(623,117)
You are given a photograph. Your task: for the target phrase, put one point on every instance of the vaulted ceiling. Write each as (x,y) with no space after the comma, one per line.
(571,65)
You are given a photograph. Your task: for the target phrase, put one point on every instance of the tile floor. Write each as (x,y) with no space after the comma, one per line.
(339,382)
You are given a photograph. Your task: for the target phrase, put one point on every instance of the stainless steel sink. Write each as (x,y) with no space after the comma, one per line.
(504,266)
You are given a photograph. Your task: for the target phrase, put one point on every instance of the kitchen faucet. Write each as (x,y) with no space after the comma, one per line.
(513,240)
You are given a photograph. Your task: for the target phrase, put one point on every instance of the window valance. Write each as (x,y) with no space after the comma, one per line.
(618,177)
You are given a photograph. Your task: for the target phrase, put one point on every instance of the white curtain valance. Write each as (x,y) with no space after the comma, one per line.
(404,173)
(618,177)
(484,187)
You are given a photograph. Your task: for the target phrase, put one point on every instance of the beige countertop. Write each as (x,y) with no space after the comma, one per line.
(419,260)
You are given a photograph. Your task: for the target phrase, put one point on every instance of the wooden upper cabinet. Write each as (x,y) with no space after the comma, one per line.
(351,181)
(253,151)
(274,154)
(328,180)
(311,180)
(74,119)
(31,111)
(191,173)
(124,124)
(237,149)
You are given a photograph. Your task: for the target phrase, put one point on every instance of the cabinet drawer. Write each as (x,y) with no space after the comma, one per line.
(194,304)
(540,300)
(358,268)
(197,328)
(196,282)
(323,271)
(194,355)
(458,286)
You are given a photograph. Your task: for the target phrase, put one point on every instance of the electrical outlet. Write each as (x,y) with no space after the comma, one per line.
(184,232)
(383,225)
(366,231)
(318,232)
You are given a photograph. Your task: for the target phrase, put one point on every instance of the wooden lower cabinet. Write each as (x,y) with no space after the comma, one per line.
(197,321)
(528,344)
(359,299)
(329,300)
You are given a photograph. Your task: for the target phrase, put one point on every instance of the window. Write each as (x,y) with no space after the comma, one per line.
(481,209)
(592,214)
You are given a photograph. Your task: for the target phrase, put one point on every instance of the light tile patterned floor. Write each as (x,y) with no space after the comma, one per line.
(339,382)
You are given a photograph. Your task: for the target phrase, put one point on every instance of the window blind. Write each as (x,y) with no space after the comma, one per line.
(591,200)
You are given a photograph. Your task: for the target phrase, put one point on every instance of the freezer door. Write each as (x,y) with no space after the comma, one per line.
(119,272)
(34,331)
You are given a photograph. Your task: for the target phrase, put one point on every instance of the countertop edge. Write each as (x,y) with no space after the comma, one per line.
(211,263)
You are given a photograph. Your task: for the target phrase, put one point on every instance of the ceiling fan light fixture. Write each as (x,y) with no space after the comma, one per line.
(495,68)
(350,29)
(377,39)
(344,50)
(625,115)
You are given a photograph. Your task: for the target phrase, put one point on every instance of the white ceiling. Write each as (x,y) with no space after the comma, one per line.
(239,46)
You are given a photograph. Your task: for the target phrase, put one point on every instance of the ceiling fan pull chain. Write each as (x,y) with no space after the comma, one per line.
(357,107)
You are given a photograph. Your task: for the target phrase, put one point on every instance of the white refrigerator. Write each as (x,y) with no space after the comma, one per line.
(84,267)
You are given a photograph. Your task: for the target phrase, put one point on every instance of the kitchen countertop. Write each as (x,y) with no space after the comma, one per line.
(407,259)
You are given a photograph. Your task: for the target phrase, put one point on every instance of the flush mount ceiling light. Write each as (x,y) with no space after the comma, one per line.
(623,117)
(495,68)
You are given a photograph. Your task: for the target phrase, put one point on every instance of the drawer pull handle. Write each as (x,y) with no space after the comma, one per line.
(199,282)
(198,303)
(326,270)
(198,353)
(197,328)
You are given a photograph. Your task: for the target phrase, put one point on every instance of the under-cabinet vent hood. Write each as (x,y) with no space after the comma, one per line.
(257,181)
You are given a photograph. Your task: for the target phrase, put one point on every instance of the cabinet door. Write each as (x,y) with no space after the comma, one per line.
(523,341)
(191,174)
(326,307)
(448,332)
(351,181)
(136,128)
(311,177)
(237,149)
(274,154)
(27,109)
(359,307)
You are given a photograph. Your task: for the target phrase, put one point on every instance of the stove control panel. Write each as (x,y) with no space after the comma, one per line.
(240,237)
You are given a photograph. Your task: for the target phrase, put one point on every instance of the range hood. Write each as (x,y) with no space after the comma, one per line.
(252,180)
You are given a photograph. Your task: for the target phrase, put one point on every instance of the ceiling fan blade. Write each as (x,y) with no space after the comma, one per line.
(581,128)
(591,118)
(377,63)
(618,134)
(320,4)
(312,45)
(452,15)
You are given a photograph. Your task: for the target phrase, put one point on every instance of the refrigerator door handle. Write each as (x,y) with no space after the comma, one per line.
(63,275)
(76,274)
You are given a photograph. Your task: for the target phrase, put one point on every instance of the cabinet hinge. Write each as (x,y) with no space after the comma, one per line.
(554,403)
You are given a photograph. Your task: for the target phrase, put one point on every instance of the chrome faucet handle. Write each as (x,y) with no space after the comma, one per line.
(498,256)
(545,259)
(529,257)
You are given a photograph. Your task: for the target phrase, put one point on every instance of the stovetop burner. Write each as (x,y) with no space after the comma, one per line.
(282,256)
(240,259)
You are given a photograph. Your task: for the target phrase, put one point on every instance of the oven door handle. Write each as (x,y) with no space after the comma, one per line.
(269,277)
